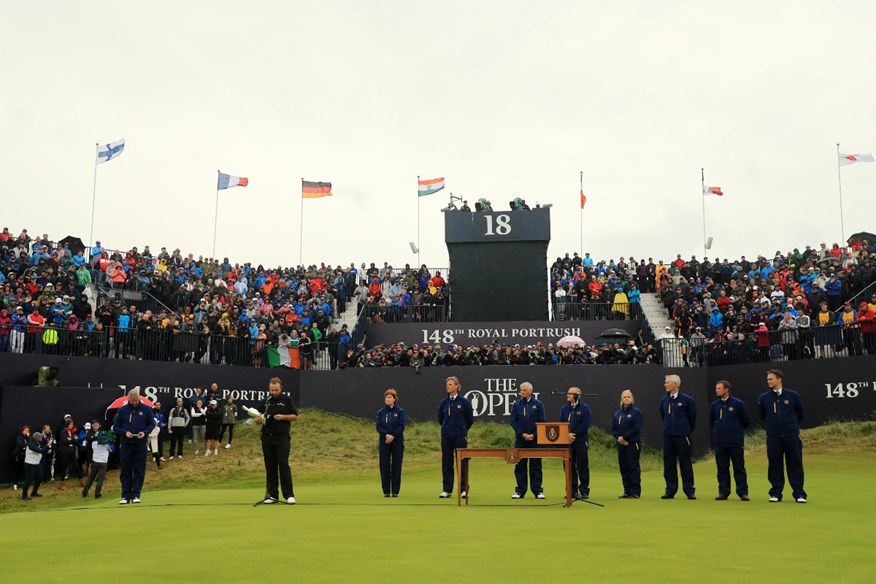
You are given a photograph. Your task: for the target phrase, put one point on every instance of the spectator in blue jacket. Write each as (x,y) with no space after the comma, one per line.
(728,418)
(391,423)
(626,427)
(579,417)
(679,414)
(134,422)
(455,415)
(781,411)
(525,413)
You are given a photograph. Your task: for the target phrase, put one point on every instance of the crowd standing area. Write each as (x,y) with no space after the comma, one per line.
(794,305)
(204,310)
(814,303)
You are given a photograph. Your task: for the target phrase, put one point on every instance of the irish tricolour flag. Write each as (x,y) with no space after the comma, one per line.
(429,186)
(226,181)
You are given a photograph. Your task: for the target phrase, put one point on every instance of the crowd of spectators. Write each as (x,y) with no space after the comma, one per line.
(795,305)
(496,353)
(206,310)
(69,451)
(582,288)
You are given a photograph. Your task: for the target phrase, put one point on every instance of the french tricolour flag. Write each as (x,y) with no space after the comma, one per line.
(226,181)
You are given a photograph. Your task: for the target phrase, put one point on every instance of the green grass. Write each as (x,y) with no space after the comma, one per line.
(197,522)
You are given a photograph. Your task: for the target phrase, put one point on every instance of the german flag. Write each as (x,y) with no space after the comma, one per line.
(315,190)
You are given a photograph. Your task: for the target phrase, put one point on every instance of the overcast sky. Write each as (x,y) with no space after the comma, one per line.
(504,99)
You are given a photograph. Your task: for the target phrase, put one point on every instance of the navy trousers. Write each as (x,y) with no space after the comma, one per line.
(132,461)
(449,444)
(391,456)
(676,455)
(520,470)
(782,450)
(631,472)
(724,455)
(578,454)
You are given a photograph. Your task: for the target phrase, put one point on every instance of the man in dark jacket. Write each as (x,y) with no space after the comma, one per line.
(781,411)
(579,417)
(133,423)
(679,414)
(525,413)
(728,418)
(455,415)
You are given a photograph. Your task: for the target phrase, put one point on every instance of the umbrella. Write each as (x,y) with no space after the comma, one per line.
(862,236)
(615,333)
(74,243)
(124,399)
(571,342)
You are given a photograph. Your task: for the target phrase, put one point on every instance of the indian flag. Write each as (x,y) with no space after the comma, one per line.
(429,186)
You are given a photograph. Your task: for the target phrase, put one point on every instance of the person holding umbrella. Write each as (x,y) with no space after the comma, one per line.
(133,424)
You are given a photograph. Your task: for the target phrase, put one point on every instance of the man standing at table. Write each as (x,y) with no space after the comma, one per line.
(525,412)
(679,414)
(455,415)
(133,423)
(781,411)
(579,417)
(728,418)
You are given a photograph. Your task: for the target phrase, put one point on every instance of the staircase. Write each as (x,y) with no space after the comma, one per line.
(349,317)
(655,313)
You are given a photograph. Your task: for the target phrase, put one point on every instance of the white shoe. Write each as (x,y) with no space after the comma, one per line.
(124,502)
(801,499)
(540,496)
(196,452)
(444,495)
(15,487)
(162,459)
(215,451)
(135,500)
(464,494)
(180,456)
(775,500)
(228,446)
(206,453)
(516,496)
(269,501)
(291,500)
(171,458)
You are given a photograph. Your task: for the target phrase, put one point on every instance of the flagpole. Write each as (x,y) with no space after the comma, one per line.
(301,230)
(703,197)
(839,178)
(581,217)
(93,199)
(216,214)
(418,221)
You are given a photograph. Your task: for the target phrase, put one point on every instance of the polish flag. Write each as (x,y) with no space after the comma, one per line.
(712,191)
(847,159)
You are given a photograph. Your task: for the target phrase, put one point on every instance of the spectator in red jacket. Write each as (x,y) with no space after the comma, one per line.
(867,319)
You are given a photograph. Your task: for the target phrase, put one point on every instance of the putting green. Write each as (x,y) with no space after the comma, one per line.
(344,530)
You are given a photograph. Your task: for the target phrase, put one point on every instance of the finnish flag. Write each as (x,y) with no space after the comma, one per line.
(106,152)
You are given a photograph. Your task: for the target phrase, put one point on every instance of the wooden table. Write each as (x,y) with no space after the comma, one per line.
(511,456)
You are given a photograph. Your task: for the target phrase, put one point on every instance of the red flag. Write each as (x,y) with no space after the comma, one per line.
(583,199)
(712,191)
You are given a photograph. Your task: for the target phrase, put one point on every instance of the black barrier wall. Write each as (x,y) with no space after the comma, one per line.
(832,389)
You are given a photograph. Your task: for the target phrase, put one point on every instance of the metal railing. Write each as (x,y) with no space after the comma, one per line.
(394,314)
(823,342)
(596,310)
(163,345)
